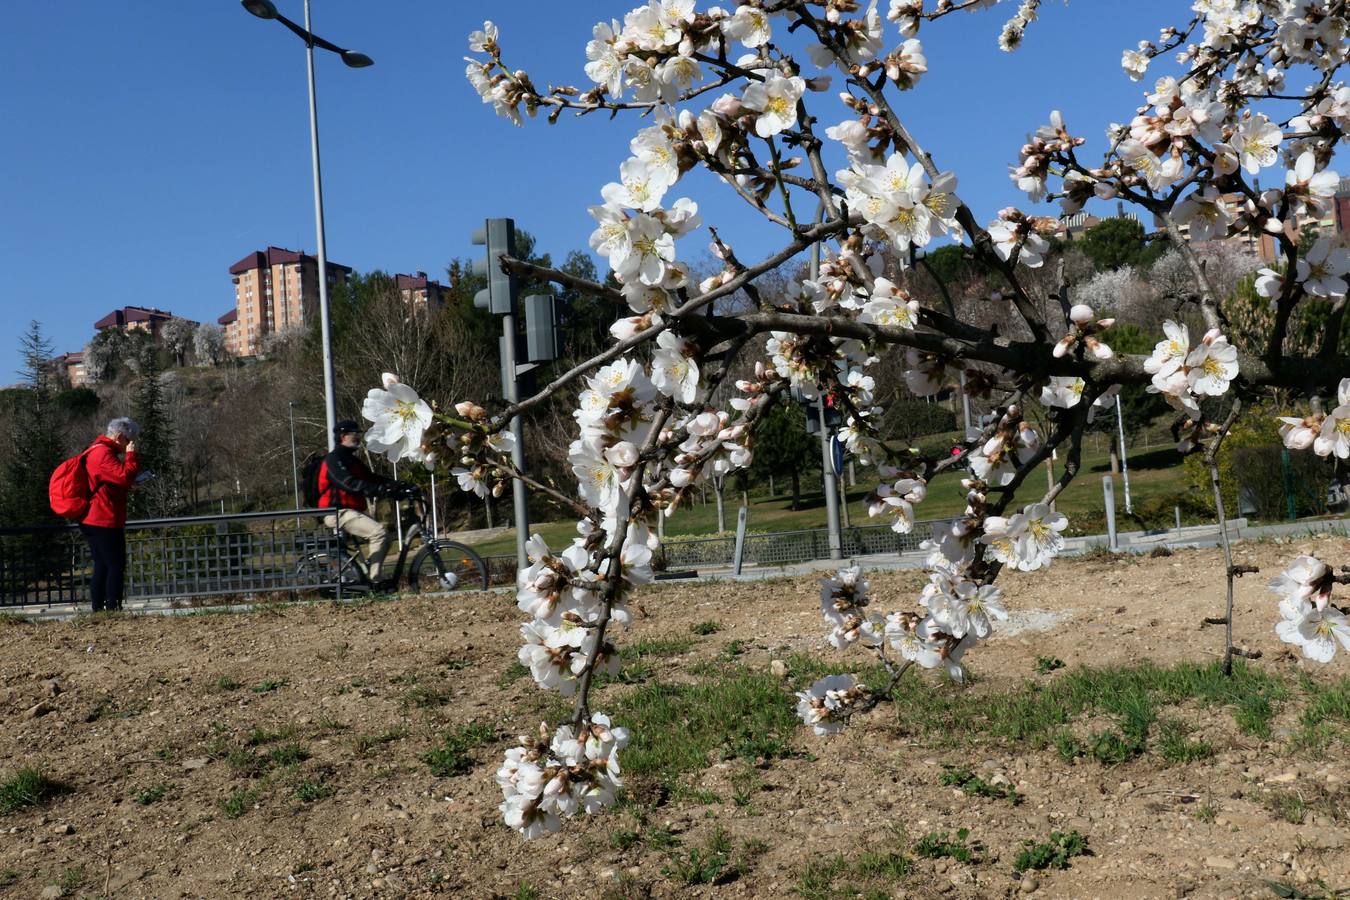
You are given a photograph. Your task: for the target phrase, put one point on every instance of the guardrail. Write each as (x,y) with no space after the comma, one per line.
(767,549)
(171,558)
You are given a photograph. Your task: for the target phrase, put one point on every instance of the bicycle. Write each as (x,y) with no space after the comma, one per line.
(438,565)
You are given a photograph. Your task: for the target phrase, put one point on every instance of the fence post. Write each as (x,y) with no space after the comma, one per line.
(740,539)
(1109,490)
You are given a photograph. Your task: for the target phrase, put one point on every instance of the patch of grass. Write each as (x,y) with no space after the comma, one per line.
(424,696)
(735,648)
(1110,748)
(366,743)
(8,877)
(706,628)
(1176,746)
(452,757)
(226,683)
(72,878)
(247,763)
(892,865)
(624,839)
(744,785)
(1207,812)
(288,754)
(679,728)
(710,864)
(972,785)
(937,845)
(1047,664)
(27,788)
(309,791)
(635,671)
(259,736)
(1052,854)
(326,722)
(267,687)
(1067,745)
(153,794)
(513,673)
(525,891)
(238,802)
(1295,804)
(816,880)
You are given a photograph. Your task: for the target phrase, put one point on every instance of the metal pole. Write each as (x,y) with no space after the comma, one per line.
(1109,494)
(826,457)
(435,526)
(1124,467)
(398,514)
(325,327)
(965,404)
(518,494)
(295,468)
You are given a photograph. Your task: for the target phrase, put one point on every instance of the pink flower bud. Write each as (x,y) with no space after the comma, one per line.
(1081,314)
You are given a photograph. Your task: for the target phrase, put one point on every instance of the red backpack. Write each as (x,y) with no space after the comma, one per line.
(68,491)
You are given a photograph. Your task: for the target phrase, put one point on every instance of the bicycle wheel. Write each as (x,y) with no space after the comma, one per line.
(321,572)
(447,566)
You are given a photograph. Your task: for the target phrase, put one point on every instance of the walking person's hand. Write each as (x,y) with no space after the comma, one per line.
(131,446)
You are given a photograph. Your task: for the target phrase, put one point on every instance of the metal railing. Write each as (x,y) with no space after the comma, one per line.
(767,549)
(197,556)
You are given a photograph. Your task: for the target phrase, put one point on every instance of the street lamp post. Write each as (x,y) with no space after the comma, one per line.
(265,9)
(295,467)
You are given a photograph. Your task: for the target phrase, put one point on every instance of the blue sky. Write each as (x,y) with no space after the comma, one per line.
(149,145)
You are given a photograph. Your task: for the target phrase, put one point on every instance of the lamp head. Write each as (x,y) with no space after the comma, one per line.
(356,60)
(263,9)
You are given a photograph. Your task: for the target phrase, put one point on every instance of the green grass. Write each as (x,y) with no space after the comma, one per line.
(1176,746)
(970,784)
(706,628)
(367,743)
(238,802)
(153,794)
(1052,854)
(680,728)
(309,791)
(453,756)
(226,683)
(939,845)
(259,736)
(72,878)
(9,876)
(27,788)
(1154,476)
(267,687)
(711,864)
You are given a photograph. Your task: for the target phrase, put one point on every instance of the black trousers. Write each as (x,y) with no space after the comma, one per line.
(108,546)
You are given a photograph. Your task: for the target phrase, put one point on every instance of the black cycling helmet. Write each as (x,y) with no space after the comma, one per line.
(346,426)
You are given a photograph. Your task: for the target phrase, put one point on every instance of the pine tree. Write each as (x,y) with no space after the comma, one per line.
(34,438)
(154,448)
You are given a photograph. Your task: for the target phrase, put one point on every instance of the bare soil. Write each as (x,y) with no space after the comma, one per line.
(154,722)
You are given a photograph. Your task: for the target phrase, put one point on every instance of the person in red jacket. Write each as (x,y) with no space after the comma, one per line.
(112,468)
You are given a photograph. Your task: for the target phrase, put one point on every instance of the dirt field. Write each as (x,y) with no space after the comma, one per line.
(283,753)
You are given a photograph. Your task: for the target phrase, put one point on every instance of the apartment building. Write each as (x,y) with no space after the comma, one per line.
(70,368)
(421,293)
(275,290)
(136,318)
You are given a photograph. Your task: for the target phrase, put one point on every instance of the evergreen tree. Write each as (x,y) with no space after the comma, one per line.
(154,448)
(34,440)
(782,447)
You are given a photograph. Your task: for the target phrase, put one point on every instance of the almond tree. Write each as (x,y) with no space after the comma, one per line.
(737,92)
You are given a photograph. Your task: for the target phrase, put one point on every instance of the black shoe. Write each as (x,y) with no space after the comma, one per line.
(385,586)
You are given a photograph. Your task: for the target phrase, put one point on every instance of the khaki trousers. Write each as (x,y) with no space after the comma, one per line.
(367,531)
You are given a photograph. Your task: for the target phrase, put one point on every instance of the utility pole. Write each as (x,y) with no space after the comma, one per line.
(501,297)
(826,457)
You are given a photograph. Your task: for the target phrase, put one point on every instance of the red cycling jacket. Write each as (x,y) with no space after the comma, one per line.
(110,478)
(345,482)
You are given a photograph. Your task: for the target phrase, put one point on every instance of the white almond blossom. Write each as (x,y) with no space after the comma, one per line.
(1063,391)
(1322,269)
(750,26)
(400,417)
(775,99)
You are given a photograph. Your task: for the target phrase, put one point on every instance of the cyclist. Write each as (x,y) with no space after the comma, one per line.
(344,484)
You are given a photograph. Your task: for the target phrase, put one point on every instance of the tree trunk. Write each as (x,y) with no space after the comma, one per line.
(796,489)
(1115,459)
(772,493)
(487,508)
